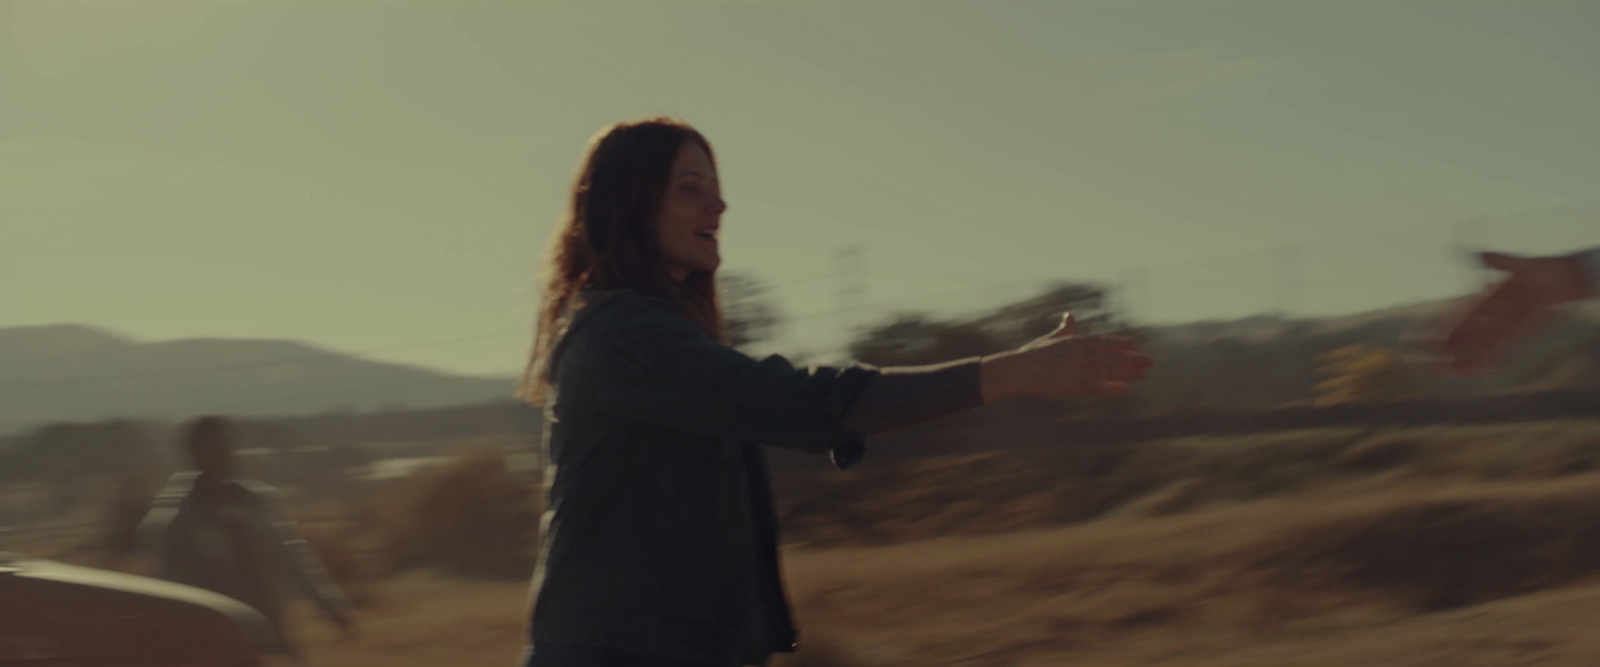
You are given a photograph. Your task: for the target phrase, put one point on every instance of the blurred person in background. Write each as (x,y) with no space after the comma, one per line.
(659,544)
(1474,337)
(233,536)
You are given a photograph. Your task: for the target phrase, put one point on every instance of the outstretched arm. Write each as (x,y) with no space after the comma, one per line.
(1516,306)
(908,395)
(1057,365)
(643,363)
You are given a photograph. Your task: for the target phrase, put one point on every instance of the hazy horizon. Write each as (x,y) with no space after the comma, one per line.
(371,177)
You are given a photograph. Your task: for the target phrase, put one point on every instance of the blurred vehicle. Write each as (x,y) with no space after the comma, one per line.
(59,615)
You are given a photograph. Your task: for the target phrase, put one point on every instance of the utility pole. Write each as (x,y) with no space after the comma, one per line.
(1468,241)
(1136,304)
(850,268)
(1288,278)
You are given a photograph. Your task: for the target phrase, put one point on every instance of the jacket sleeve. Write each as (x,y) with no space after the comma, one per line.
(906,395)
(641,362)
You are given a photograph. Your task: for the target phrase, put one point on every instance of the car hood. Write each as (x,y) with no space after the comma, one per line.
(59,613)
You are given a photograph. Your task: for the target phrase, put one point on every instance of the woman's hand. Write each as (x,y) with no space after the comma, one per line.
(1062,364)
(1476,336)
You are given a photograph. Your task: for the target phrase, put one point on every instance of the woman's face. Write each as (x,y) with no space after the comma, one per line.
(691,214)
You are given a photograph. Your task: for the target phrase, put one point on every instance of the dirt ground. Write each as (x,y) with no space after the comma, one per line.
(1417,547)
(1304,582)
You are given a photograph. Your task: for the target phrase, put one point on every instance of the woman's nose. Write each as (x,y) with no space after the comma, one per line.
(718,206)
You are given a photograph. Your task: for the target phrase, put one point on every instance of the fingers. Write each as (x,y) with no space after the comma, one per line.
(1131,361)
(1111,357)
(1109,388)
(1090,366)
(1118,366)
(1114,343)
(1116,354)
(1514,326)
(1476,327)
(1125,372)
(1506,314)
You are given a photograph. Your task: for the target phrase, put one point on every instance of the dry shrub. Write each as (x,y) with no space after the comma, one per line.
(1507,452)
(1379,454)
(349,556)
(1174,498)
(903,499)
(1446,553)
(1574,456)
(892,500)
(1185,475)
(468,516)
(907,499)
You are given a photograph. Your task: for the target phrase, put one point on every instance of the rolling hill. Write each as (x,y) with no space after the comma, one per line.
(68,373)
(80,373)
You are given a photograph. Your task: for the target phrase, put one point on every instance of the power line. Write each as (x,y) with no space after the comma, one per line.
(477,37)
(1288,278)
(851,265)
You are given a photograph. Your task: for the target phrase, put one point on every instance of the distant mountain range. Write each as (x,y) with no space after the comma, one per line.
(79,373)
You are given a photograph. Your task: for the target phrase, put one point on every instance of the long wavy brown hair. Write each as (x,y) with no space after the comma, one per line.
(607,237)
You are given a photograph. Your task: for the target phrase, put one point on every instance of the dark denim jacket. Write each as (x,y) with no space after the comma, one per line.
(657,495)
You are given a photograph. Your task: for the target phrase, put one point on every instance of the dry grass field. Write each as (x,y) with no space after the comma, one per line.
(1417,547)
(1403,547)
(1364,582)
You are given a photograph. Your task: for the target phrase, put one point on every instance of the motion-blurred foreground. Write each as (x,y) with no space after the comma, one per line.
(1426,545)
(1279,493)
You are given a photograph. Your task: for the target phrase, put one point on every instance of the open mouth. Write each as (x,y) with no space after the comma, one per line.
(707,234)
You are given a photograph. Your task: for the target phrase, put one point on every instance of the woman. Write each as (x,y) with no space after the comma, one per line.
(659,542)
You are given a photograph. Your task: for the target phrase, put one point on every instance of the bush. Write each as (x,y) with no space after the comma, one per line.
(348,555)
(1379,454)
(1436,554)
(467,516)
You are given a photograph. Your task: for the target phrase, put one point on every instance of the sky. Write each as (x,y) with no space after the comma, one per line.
(380,177)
